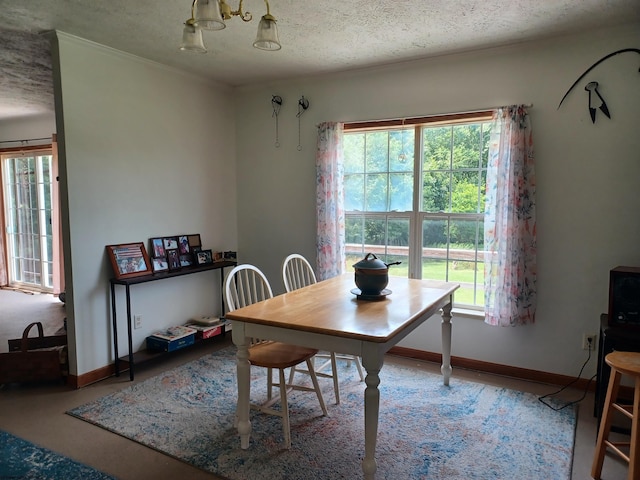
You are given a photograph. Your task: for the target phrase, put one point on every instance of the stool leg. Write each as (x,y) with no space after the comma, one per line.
(634,454)
(605,424)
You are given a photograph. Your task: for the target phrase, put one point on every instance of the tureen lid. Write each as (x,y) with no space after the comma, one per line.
(371,263)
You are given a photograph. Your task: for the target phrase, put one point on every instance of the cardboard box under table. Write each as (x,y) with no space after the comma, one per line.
(171,339)
(204,332)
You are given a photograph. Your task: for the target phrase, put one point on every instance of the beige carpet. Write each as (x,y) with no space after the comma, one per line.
(18,309)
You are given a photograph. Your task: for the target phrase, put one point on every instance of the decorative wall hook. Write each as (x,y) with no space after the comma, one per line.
(303,104)
(276,103)
(593,87)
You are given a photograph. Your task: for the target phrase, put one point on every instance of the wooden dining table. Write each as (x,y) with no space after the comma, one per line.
(330,317)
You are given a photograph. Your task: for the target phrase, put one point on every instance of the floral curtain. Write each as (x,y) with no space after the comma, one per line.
(4,276)
(510,221)
(330,201)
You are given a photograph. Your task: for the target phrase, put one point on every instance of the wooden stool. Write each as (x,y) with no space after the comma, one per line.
(621,363)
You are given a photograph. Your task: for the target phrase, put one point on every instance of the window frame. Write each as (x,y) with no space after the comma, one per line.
(43,262)
(417,216)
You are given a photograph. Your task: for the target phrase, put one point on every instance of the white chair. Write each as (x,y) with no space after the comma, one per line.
(297,273)
(245,285)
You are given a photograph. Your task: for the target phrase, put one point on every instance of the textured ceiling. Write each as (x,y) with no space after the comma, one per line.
(317,36)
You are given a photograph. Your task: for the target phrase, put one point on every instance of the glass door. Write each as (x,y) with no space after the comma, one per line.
(28,201)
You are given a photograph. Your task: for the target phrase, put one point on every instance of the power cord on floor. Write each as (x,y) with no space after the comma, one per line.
(584,394)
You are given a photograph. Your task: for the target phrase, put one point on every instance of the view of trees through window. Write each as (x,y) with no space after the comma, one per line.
(420,202)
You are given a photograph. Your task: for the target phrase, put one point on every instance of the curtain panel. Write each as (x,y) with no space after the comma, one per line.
(510,221)
(330,201)
(4,276)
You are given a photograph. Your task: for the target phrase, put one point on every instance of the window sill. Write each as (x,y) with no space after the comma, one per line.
(468,313)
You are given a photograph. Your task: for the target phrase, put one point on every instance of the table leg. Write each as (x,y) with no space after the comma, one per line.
(244,372)
(446,342)
(372,362)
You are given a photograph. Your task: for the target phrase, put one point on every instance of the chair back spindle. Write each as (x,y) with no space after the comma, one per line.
(246,285)
(297,272)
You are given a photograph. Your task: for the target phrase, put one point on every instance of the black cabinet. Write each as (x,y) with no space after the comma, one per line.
(128,282)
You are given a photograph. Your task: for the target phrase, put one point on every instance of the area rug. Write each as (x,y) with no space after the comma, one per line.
(20,459)
(426,430)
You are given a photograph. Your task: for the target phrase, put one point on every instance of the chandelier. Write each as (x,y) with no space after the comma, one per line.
(211,15)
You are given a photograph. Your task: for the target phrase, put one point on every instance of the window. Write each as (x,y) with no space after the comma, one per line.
(414,192)
(27,185)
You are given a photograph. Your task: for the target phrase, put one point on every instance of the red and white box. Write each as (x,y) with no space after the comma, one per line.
(203,331)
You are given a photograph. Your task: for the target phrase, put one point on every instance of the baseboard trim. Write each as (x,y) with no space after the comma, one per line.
(495,368)
(79,381)
(107,371)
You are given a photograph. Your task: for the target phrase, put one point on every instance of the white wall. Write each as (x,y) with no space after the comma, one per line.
(25,128)
(145,151)
(587,175)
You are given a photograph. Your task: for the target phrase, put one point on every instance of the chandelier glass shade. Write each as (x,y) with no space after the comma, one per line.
(211,15)
(208,15)
(267,38)
(192,39)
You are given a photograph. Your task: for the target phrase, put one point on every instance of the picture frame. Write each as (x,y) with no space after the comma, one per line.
(170,243)
(194,240)
(194,254)
(183,244)
(160,264)
(203,257)
(157,249)
(186,260)
(218,256)
(173,259)
(129,260)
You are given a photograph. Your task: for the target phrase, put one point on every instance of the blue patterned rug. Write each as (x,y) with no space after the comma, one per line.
(20,459)
(426,430)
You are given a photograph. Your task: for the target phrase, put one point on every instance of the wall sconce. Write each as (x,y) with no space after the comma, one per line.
(211,14)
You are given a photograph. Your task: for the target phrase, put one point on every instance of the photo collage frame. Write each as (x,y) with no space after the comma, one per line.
(178,251)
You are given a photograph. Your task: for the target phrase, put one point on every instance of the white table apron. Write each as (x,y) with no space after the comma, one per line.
(372,354)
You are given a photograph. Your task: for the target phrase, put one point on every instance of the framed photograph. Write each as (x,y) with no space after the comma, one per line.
(160,264)
(218,256)
(170,243)
(194,240)
(173,259)
(183,244)
(157,248)
(186,260)
(129,260)
(203,257)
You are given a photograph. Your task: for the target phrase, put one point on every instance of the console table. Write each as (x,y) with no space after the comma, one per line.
(127,282)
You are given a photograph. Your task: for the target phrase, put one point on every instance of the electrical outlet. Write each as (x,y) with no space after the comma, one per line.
(589,341)
(137,321)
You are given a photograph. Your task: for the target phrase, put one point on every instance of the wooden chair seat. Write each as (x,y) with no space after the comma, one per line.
(279,355)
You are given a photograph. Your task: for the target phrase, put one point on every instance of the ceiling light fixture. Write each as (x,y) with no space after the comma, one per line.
(211,14)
